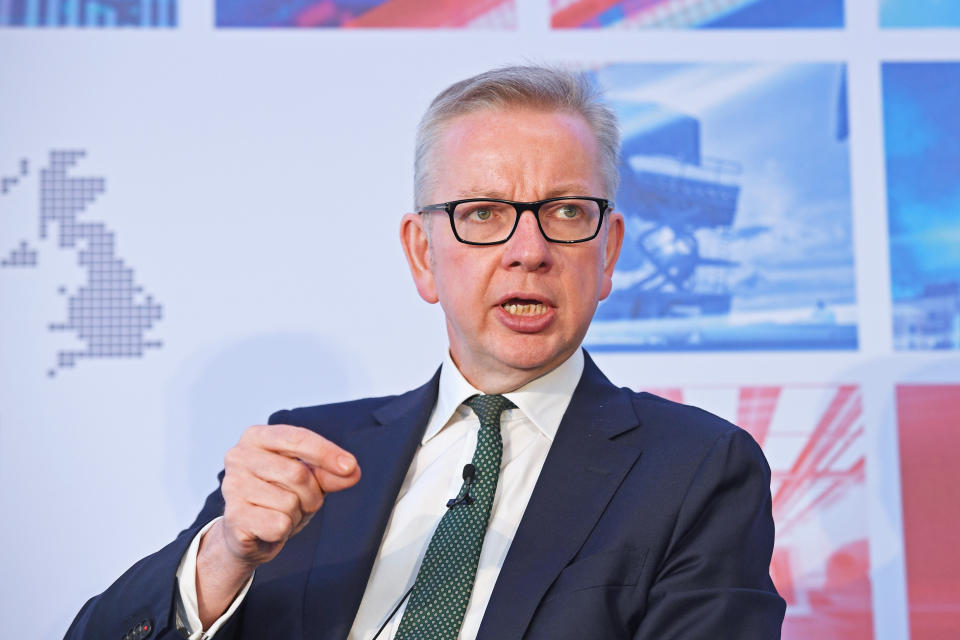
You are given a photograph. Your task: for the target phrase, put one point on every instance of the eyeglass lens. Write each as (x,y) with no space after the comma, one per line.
(565,220)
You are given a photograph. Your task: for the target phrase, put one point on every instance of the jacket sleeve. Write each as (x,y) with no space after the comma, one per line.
(141,603)
(714,582)
(146,595)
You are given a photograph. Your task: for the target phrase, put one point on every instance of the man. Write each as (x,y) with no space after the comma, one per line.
(587,511)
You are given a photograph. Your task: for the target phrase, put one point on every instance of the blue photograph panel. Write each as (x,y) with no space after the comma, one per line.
(88,13)
(697,14)
(921,129)
(919,13)
(735,188)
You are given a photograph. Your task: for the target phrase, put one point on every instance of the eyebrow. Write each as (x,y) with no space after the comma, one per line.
(571,189)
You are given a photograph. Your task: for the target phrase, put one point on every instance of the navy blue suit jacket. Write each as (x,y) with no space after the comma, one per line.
(651,520)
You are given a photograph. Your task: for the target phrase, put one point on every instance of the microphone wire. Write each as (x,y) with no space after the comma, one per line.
(394,612)
(469,473)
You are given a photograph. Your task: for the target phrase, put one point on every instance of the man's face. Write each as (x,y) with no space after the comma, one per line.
(516,310)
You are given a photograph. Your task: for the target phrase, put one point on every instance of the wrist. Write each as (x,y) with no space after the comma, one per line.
(214,558)
(221,575)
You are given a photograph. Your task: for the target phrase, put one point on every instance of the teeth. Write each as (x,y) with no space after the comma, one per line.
(525,309)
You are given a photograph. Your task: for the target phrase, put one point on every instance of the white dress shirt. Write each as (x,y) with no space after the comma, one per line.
(435,475)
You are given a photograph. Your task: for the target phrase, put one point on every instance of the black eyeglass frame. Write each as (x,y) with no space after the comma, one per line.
(532,207)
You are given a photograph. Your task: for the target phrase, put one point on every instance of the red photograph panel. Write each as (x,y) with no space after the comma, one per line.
(813,437)
(929,430)
(378,14)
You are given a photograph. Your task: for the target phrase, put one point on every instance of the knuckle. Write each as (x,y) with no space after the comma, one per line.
(291,503)
(228,487)
(279,526)
(232,457)
(294,436)
(314,500)
(296,473)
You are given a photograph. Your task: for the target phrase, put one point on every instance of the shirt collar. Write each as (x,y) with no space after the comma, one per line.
(543,400)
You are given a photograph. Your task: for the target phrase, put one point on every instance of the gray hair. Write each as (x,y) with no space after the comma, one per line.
(546,88)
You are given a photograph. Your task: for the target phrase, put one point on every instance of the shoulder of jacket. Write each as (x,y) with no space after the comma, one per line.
(322,413)
(681,420)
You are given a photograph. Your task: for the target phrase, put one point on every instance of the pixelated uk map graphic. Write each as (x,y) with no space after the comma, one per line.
(110,313)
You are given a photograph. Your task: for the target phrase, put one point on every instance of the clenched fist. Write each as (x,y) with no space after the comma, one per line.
(275,480)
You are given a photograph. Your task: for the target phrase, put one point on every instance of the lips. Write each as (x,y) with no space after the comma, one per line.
(526,313)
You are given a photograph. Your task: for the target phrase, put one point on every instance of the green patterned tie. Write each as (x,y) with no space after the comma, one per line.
(442,590)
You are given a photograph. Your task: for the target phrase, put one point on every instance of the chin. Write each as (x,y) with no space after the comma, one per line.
(532,354)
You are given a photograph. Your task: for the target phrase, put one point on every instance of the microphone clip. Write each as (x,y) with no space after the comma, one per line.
(466,498)
(469,473)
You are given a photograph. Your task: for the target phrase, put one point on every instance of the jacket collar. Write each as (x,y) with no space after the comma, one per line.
(583,470)
(353,522)
(580,475)
(543,401)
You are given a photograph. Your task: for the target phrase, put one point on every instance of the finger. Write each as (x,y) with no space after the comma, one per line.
(331,482)
(258,523)
(299,442)
(266,495)
(285,473)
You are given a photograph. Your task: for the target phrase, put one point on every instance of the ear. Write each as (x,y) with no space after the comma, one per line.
(611,251)
(413,237)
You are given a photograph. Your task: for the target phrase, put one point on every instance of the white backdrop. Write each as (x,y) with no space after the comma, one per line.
(254,181)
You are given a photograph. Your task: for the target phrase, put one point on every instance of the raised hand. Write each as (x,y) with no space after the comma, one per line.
(275,479)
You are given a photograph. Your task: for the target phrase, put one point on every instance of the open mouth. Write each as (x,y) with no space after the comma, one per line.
(521,307)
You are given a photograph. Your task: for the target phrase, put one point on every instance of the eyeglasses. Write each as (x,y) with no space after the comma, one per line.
(484,221)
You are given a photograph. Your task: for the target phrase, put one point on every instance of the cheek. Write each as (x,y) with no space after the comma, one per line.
(585,287)
(460,286)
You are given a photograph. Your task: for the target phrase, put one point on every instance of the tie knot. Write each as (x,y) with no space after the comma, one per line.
(489,408)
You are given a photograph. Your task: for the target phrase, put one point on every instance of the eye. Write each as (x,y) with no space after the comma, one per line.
(568,211)
(481,213)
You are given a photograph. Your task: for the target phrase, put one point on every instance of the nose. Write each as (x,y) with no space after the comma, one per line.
(527,248)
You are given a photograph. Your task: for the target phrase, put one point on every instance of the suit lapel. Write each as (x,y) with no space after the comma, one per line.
(353,521)
(582,471)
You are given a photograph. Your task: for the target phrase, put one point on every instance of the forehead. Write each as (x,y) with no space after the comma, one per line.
(509,152)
